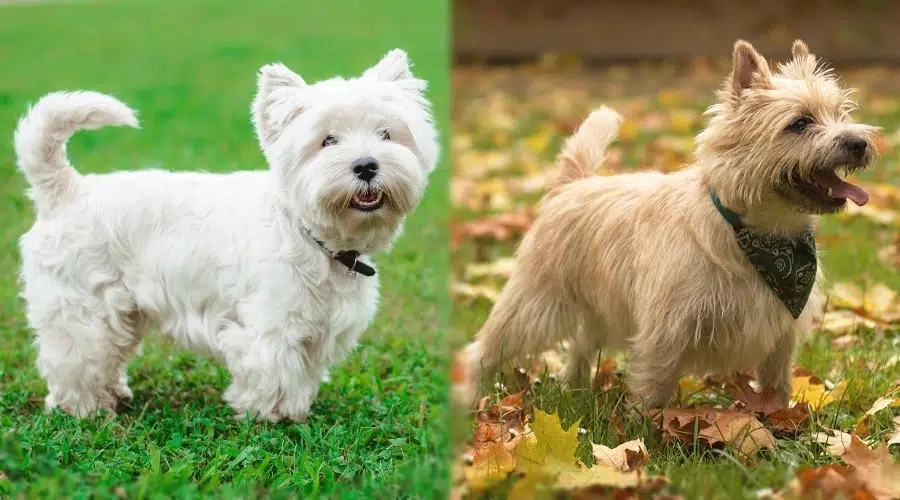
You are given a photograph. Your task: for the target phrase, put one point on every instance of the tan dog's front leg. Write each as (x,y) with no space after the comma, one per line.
(775,370)
(655,371)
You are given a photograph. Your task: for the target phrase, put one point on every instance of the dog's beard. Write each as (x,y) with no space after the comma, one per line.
(330,196)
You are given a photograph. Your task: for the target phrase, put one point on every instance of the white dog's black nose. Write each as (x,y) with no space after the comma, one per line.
(365,168)
(856,145)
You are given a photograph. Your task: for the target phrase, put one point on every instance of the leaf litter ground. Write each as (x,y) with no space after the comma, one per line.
(719,438)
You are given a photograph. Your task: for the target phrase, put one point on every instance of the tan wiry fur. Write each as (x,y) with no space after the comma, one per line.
(645,262)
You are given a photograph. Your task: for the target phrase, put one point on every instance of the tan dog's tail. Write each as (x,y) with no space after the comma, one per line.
(41,136)
(585,151)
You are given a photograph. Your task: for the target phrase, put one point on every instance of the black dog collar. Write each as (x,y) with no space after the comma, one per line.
(349,258)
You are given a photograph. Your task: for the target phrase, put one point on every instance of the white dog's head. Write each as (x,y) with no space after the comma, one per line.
(351,156)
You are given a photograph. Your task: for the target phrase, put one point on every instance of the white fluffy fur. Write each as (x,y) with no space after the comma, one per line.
(221,263)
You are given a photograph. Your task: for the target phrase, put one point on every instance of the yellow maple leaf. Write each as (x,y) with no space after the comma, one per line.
(548,444)
(806,390)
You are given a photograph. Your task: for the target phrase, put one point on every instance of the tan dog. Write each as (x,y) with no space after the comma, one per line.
(652,263)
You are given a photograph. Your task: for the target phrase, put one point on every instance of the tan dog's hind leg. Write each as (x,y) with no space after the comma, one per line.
(527,319)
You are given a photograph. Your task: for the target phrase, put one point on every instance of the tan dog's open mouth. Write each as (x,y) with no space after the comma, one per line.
(827,188)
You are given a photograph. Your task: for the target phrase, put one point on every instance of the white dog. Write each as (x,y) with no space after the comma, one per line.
(266,270)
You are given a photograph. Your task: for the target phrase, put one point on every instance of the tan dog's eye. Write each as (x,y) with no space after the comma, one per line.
(385,135)
(800,125)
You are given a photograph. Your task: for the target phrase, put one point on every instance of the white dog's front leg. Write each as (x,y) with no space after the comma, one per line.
(271,380)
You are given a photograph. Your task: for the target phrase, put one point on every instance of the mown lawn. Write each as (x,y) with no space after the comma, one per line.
(189,68)
(508,124)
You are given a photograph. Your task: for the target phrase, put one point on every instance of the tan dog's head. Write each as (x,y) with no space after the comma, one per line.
(785,135)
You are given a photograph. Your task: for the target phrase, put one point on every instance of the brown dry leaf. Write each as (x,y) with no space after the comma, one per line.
(492,464)
(862,423)
(499,428)
(499,227)
(740,430)
(787,421)
(763,402)
(836,442)
(627,457)
(830,481)
(876,468)
(716,427)
(606,375)
(894,437)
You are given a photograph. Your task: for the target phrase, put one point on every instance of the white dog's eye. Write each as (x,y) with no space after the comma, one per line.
(329,141)
(385,135)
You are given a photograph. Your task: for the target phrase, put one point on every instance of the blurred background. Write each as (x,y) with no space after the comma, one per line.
(527,73)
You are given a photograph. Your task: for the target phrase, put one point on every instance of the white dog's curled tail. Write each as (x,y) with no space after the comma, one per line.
(585,150)
(40,140)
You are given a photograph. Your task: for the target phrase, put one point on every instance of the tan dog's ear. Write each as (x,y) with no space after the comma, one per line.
(748,69)
(275,82)
(799,49)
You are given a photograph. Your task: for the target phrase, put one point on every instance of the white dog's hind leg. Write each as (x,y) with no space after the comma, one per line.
(83,347)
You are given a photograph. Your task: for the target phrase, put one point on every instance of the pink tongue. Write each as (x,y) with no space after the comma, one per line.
(368,197)
(841,189)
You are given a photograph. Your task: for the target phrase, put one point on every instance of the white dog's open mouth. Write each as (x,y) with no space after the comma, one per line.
(368,200)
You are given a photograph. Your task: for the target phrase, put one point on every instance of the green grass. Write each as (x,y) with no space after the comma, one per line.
(189,68)
(849,246)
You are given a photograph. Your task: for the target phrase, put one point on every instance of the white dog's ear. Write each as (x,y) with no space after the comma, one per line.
(275,84)
(392,67)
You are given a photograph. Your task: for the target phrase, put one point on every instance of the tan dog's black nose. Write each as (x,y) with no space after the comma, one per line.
(856,146)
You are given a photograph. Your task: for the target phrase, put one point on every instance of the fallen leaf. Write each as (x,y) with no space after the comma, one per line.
(742,431)
(763,402)
(606,375)
(492,464)
(626,457)
(875,468)
(844,322)
(716,427)
(894,437)
(499,227)
(690,385)
(830,481)
(787,421)
(548,443)
(812,390)
(836,442)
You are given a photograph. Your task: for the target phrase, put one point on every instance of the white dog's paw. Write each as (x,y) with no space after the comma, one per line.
(82,405)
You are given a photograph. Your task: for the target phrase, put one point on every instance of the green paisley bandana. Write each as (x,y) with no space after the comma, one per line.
(787,265)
